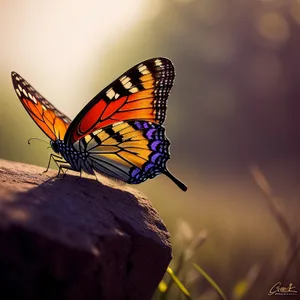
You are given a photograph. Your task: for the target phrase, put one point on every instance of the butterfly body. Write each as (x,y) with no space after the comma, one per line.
(119,133)
(79,161)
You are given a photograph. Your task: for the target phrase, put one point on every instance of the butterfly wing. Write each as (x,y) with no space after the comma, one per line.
(139,94)
(121,128)
(53,123)
(131,151)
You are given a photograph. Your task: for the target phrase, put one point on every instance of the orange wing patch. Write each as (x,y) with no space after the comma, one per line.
(139,94)
(143,103)
(112,107)
(53,123)
(92,116)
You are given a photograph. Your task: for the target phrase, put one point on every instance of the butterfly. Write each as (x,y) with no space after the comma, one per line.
(119,133)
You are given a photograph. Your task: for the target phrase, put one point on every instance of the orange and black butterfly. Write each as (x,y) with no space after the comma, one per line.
(119,133)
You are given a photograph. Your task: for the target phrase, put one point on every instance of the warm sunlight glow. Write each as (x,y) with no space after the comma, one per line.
(56,41)
(65,30)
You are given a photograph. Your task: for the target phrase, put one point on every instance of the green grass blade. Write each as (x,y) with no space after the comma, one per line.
(180,285)
(169,283)
(211,281)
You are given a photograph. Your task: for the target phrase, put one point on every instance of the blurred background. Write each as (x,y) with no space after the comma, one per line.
(235,105)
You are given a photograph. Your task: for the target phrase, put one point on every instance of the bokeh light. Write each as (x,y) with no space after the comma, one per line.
(273,27)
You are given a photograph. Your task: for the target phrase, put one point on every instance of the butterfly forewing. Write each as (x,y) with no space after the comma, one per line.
(139,94)
(53,123)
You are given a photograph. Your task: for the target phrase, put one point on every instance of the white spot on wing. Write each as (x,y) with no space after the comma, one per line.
(110,93)
(43,107)
(145,72)
(128,85)
(134,90)
(124,79)
(142,68)
(158,62)
(25,93)
(18,92)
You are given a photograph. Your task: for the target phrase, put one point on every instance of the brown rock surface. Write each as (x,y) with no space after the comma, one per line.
(76,239)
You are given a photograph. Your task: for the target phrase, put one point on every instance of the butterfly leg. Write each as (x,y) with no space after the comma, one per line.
(59,163)
(80,177)
(56,159)
(62,167)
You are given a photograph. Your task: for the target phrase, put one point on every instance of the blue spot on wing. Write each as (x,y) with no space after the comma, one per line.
(158,144)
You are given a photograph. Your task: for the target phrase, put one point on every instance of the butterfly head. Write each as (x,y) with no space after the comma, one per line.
(55,147)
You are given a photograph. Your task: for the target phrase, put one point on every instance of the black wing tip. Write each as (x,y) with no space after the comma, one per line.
(153,59)
(14,75)
(180,184)
(158,57)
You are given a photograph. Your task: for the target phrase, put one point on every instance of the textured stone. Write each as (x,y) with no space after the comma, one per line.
(77,238)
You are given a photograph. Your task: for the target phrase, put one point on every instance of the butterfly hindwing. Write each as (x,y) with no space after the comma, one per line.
(139,94)
(53,123)
(131,151)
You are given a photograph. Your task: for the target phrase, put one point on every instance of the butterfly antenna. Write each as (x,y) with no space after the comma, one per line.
(37,140)
(180,184)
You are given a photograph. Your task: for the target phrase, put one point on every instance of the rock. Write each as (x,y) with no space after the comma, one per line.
(77,238)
